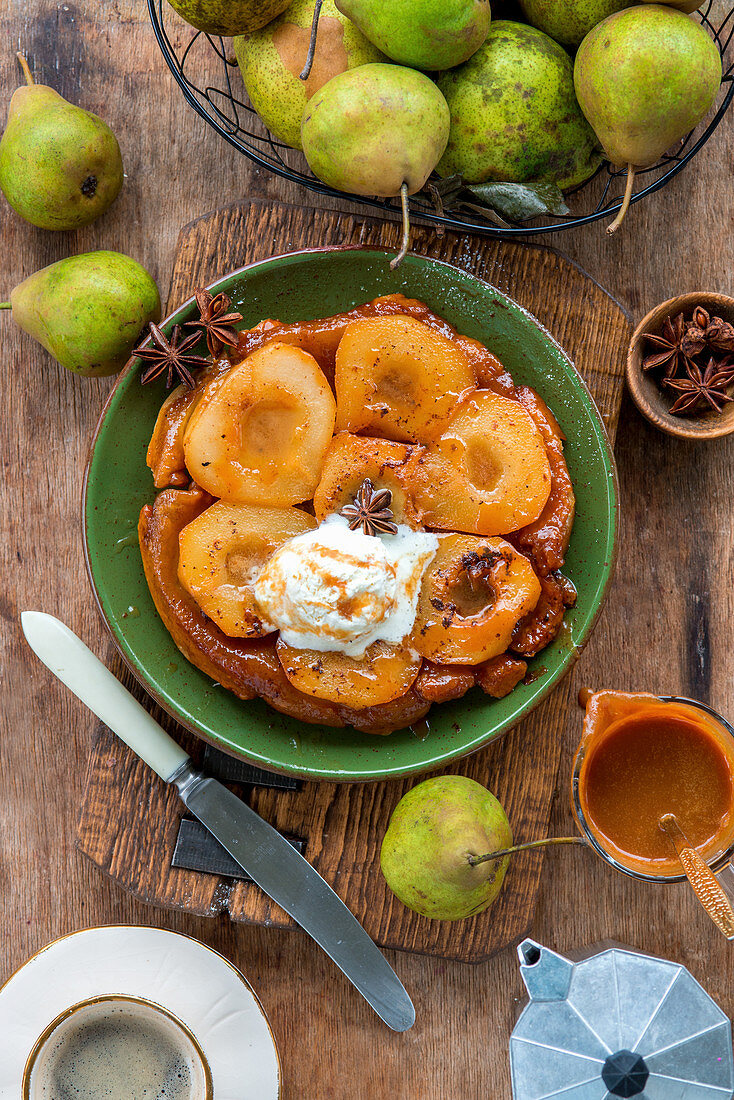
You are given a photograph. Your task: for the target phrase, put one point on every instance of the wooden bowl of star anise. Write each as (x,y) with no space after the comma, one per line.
(680,366)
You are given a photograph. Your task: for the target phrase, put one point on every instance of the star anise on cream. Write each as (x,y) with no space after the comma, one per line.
(215,320)
(700,388)
(371,510)
(172,356)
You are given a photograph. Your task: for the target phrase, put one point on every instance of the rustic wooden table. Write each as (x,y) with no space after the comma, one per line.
(667,626)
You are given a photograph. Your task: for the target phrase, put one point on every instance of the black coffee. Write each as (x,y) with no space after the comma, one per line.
(117,1053)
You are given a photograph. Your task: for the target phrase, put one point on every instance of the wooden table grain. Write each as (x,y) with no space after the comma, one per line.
(667,626)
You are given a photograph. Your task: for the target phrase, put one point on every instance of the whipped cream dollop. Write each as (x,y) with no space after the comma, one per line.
(336,590)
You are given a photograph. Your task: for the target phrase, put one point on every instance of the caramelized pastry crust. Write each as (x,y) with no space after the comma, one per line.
(545,541)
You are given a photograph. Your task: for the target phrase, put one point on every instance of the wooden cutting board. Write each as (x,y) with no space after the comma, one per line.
(130,822)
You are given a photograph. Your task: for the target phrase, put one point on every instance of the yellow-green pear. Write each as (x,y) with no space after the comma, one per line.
(682,5)
(569,21)
(435,833)
(424,34)
(514,114)
(228,17)
(60,166)
(272,58)
(376,130)
(373,129)
(645,77)
(88,310)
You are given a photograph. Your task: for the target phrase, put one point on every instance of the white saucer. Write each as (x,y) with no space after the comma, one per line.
(195,984)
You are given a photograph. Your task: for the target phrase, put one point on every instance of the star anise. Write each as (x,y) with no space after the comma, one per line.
(671,354)
(215,321)
(694,341)
(703,388)
(371,510)
(172,356)
(720,335)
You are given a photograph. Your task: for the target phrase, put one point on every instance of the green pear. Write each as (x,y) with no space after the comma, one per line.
(569,21)
(228,17)
(60,166)
(435,832)
(376,130)
(373,129)
(88,310)
(682,5)
(425,34)
(645,77)
(272,58)
(514,115)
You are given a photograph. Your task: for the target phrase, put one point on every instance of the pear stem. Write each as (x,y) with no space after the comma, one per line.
(625,201)
(5,305)
(405,242)
(312,41)
(26,70)
(474,861)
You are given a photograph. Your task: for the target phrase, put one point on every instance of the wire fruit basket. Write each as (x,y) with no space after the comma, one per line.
(206,72)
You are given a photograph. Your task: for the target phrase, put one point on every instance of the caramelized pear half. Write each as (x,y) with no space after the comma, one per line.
(221,554)
(398,379)
(384,673)
(489,473)
(165,451)
(259,435)
(474,593)
(352,458)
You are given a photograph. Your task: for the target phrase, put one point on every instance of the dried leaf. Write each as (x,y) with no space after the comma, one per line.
(521,201)
(444,192)
(487,212)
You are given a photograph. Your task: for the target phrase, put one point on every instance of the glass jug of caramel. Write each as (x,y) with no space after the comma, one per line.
(642,757)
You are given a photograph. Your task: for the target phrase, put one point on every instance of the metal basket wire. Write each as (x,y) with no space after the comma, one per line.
(206,72)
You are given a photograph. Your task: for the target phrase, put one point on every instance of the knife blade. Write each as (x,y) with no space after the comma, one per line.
(268,857)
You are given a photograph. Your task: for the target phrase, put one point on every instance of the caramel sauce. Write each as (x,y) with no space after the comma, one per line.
(546,540)
(645,758)
(545,622)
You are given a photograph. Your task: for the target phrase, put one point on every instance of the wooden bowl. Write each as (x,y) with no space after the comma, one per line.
(646,394)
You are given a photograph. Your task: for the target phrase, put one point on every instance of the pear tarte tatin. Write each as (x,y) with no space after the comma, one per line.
(386,406)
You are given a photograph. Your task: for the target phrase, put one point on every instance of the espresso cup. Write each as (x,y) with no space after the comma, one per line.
(116,1048)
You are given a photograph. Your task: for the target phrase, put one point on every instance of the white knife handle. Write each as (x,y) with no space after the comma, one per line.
(86,676)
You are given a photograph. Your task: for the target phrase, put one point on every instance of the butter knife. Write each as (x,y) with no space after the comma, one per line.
(267,857)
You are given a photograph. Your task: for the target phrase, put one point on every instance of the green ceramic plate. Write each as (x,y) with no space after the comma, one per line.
(300,286)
